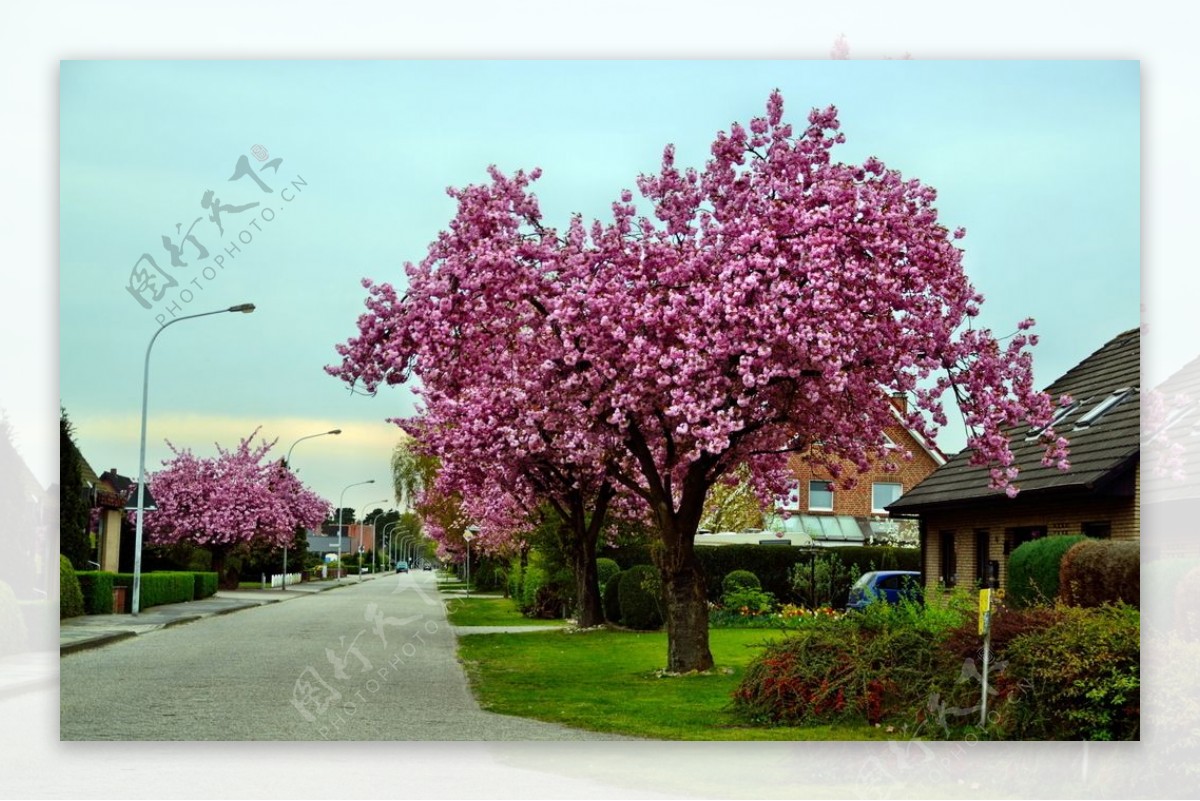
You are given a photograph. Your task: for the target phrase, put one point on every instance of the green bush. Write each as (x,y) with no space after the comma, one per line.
(605,570)
(1077,679)
(1096,572)
(13,632)
(748,601)
(773,563)
(1033,570)
(638,594)
(610,598)
(97,587)
(740,580)
(205,585)
(166,587)
(70,598)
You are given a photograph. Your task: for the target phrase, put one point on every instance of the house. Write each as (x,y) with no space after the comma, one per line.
(968,530)
(829,516)
(114,497)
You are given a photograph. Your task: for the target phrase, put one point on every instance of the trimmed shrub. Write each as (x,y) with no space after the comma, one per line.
(605,570)
(70,596)
(1096,572)
(13,633)
(638,594)
(1077,679)
(772,564)
(1033,570)
(740,580)
(206,585)
(97,587)
(167,587)
(610,598)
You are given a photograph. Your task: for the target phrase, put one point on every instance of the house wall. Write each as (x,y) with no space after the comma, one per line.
(1056,516)
(857,501)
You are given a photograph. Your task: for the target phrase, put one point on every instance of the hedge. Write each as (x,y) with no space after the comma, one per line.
(97,587)
(605,570)
(206,585)
(610,598)
(773,563)
(70,596)
(1033,570)
(164,587)
(1095,572)
(640,608)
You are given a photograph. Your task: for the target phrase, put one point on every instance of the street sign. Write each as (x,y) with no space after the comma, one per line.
(362,549)
(985,611)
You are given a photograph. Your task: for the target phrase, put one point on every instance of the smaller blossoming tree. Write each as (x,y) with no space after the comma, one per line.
(234,499)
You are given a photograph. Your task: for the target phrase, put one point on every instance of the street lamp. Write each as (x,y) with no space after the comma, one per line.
(469,535)
(373,545)
(341,505)
(387,538)
(287,463)
(245,308)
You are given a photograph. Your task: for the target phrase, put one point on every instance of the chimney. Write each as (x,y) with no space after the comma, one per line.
(900,401)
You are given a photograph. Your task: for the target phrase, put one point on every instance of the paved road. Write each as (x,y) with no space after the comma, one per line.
(369,661)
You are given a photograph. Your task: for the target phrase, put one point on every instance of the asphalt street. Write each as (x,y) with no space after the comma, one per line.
(367,661)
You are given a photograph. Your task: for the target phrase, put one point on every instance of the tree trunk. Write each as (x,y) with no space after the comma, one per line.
(227,579)
(589,610)
(687,610)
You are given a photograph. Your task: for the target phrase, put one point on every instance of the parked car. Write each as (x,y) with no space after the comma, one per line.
(402,567)
(890,586)
(427,566)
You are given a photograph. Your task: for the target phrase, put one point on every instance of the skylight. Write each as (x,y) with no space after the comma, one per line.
(1103,407)
(1059,414)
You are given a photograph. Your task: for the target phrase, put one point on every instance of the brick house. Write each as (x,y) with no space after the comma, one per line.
(967,529)
(834,516)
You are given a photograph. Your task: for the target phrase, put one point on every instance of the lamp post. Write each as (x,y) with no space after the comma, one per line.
(469,535)
(389,539)
(341,505)
(245,308)
(287,463)
(360,540)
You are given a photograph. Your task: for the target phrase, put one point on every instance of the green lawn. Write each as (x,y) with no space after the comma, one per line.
(608,681)
(487,611)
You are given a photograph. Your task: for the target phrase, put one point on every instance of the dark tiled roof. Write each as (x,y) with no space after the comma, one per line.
(1098,453)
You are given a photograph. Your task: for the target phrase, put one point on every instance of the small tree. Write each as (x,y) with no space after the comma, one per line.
(234,499)
(73,509)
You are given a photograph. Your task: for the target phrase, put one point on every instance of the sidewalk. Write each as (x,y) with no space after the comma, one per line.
(92,631)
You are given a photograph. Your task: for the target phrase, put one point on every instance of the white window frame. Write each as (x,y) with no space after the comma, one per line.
(811,506)
(878,509)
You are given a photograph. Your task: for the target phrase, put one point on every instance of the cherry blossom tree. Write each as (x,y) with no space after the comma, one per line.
(775,299)
(235,499)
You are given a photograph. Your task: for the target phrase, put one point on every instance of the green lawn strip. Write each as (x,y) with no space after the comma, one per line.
(607,681)
(475,611)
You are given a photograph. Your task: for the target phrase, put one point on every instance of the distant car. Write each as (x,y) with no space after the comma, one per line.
(427,566)
(890,586)
(402,567)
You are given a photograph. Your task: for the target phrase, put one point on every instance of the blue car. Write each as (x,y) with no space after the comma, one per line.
(887,585)
(402,567)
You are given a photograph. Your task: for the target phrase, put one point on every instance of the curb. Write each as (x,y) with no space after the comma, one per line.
(94,642)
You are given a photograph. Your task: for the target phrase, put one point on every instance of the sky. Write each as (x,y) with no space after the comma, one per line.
(343,170)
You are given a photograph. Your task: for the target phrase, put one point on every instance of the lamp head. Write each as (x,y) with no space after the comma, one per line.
(244,308)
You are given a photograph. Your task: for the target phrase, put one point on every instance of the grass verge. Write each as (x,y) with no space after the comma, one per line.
(490,612)
(608,681)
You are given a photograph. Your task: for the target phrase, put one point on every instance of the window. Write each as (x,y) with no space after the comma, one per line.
(1059,414)
(883,493)
(983,556)
(949,563)
(791,501)
(1102,408)
(1100,531)
(820,496)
